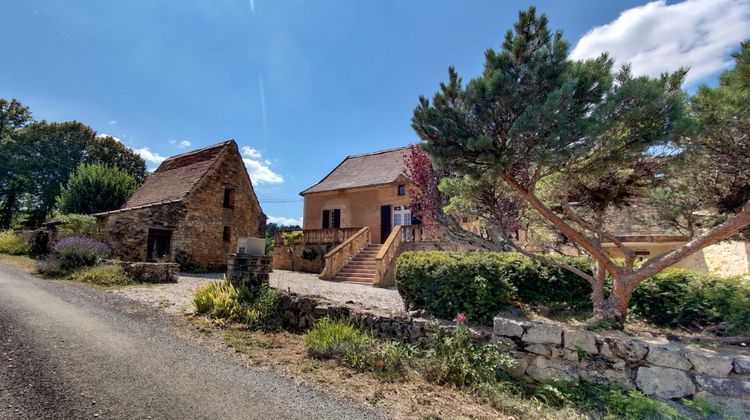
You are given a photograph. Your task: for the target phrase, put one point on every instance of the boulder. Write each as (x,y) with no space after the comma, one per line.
(506,327)
(543,334)
(732,387)
(539,349)
(580,340)
(546,370)
(668,356)
(710,363)
(664,382)
(630,350)
(742,365)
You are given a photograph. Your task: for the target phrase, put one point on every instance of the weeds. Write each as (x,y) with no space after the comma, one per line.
(224,302)
(103,275)
(12,244)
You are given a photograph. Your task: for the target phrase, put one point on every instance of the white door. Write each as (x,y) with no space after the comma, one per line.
(402,216)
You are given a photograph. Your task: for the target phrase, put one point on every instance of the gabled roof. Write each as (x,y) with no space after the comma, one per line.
(365,170)
(176,177)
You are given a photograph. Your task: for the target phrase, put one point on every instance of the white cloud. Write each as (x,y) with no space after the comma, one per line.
(183,144)
(149,156)
(660,37)
(259,170)
(284,221)
(117,139)
(250,152)
(112,122)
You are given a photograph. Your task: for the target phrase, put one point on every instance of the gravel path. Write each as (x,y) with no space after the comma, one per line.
(176,297)
(68,351)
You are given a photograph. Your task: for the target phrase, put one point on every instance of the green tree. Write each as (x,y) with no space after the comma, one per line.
(108,151)
(569,140)
(13,116)
(96,188)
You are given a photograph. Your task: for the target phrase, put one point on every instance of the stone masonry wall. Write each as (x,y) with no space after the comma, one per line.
(283,261)
(153,272)
(127,232)
(547,351)
(206,215)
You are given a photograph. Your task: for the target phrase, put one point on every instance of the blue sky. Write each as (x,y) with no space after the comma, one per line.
(302,84)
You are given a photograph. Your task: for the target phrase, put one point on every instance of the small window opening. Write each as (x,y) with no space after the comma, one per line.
(228,198)
(227,233)
(402,189)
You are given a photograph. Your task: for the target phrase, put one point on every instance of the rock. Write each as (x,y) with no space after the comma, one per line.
(543,334)
(517,370)
(580,340)
(630,350)
(539,349)
(618,364)
(668,356)
(664,382)
(606,351)
(506,327)
(710,362)
(546,370)
(742,365)
(504,343)
(737,388)
(614,375)
(571,355)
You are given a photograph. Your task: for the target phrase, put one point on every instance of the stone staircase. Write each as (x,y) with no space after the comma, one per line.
(361,268)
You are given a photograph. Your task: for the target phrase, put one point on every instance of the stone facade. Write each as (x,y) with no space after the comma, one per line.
(248,270)
(203,222)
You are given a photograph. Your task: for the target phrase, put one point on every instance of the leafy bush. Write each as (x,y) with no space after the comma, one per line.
(336,339)
(103,275)
(612,400)
(455,360)
(446,283)
(677,297)
(75,225)
(223,301)
(77,252)
(51,266)
(12,244)
(94,188)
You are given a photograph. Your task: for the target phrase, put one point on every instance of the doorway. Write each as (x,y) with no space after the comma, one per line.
(158,245)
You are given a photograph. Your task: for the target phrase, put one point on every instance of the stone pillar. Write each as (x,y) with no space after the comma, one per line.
(248,270)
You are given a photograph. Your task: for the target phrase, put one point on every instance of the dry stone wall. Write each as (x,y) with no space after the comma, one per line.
(153,272)
(547,352)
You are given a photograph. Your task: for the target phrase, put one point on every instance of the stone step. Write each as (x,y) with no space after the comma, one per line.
(356,272)
(352,279)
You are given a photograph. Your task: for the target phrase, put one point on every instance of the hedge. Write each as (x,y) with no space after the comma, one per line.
(481,284)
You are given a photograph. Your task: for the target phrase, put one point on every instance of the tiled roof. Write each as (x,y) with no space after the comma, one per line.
(176,177)
(364,170)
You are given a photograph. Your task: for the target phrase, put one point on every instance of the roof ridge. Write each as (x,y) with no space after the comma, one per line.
(223,144)
(379,152)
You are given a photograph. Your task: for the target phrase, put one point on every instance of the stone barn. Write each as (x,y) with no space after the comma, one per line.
(191,211)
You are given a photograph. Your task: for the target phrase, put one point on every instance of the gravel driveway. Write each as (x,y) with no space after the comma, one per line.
(72,352)
(176,297)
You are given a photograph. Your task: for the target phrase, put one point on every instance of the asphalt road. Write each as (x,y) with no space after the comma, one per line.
(68,352)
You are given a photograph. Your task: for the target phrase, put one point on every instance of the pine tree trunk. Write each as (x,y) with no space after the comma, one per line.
(597,291)
(616,308)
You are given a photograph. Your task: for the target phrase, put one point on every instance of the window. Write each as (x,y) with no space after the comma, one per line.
(402,189)
(227,233)
(332,219)
(228,198)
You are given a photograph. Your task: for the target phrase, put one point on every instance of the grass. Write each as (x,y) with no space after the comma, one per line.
(12,244)
(102,275)
(21,262)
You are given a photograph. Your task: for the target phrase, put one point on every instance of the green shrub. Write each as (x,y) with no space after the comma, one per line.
(677,297)
(94,188)
(455,360)
(12,244)
(609,400)
(446,283)
(75,225)
(222,301)
(338,339)
(103,275)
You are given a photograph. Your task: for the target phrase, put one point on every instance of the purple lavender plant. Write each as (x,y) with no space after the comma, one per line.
(75,252)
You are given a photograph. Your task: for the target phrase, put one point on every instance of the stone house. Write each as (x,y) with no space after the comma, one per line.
(363,190)
(191,210)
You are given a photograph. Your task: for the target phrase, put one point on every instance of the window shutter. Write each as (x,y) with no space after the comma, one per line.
(337,218)
(326,219)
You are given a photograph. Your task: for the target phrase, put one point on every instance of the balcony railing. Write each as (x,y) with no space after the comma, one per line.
(324,236)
